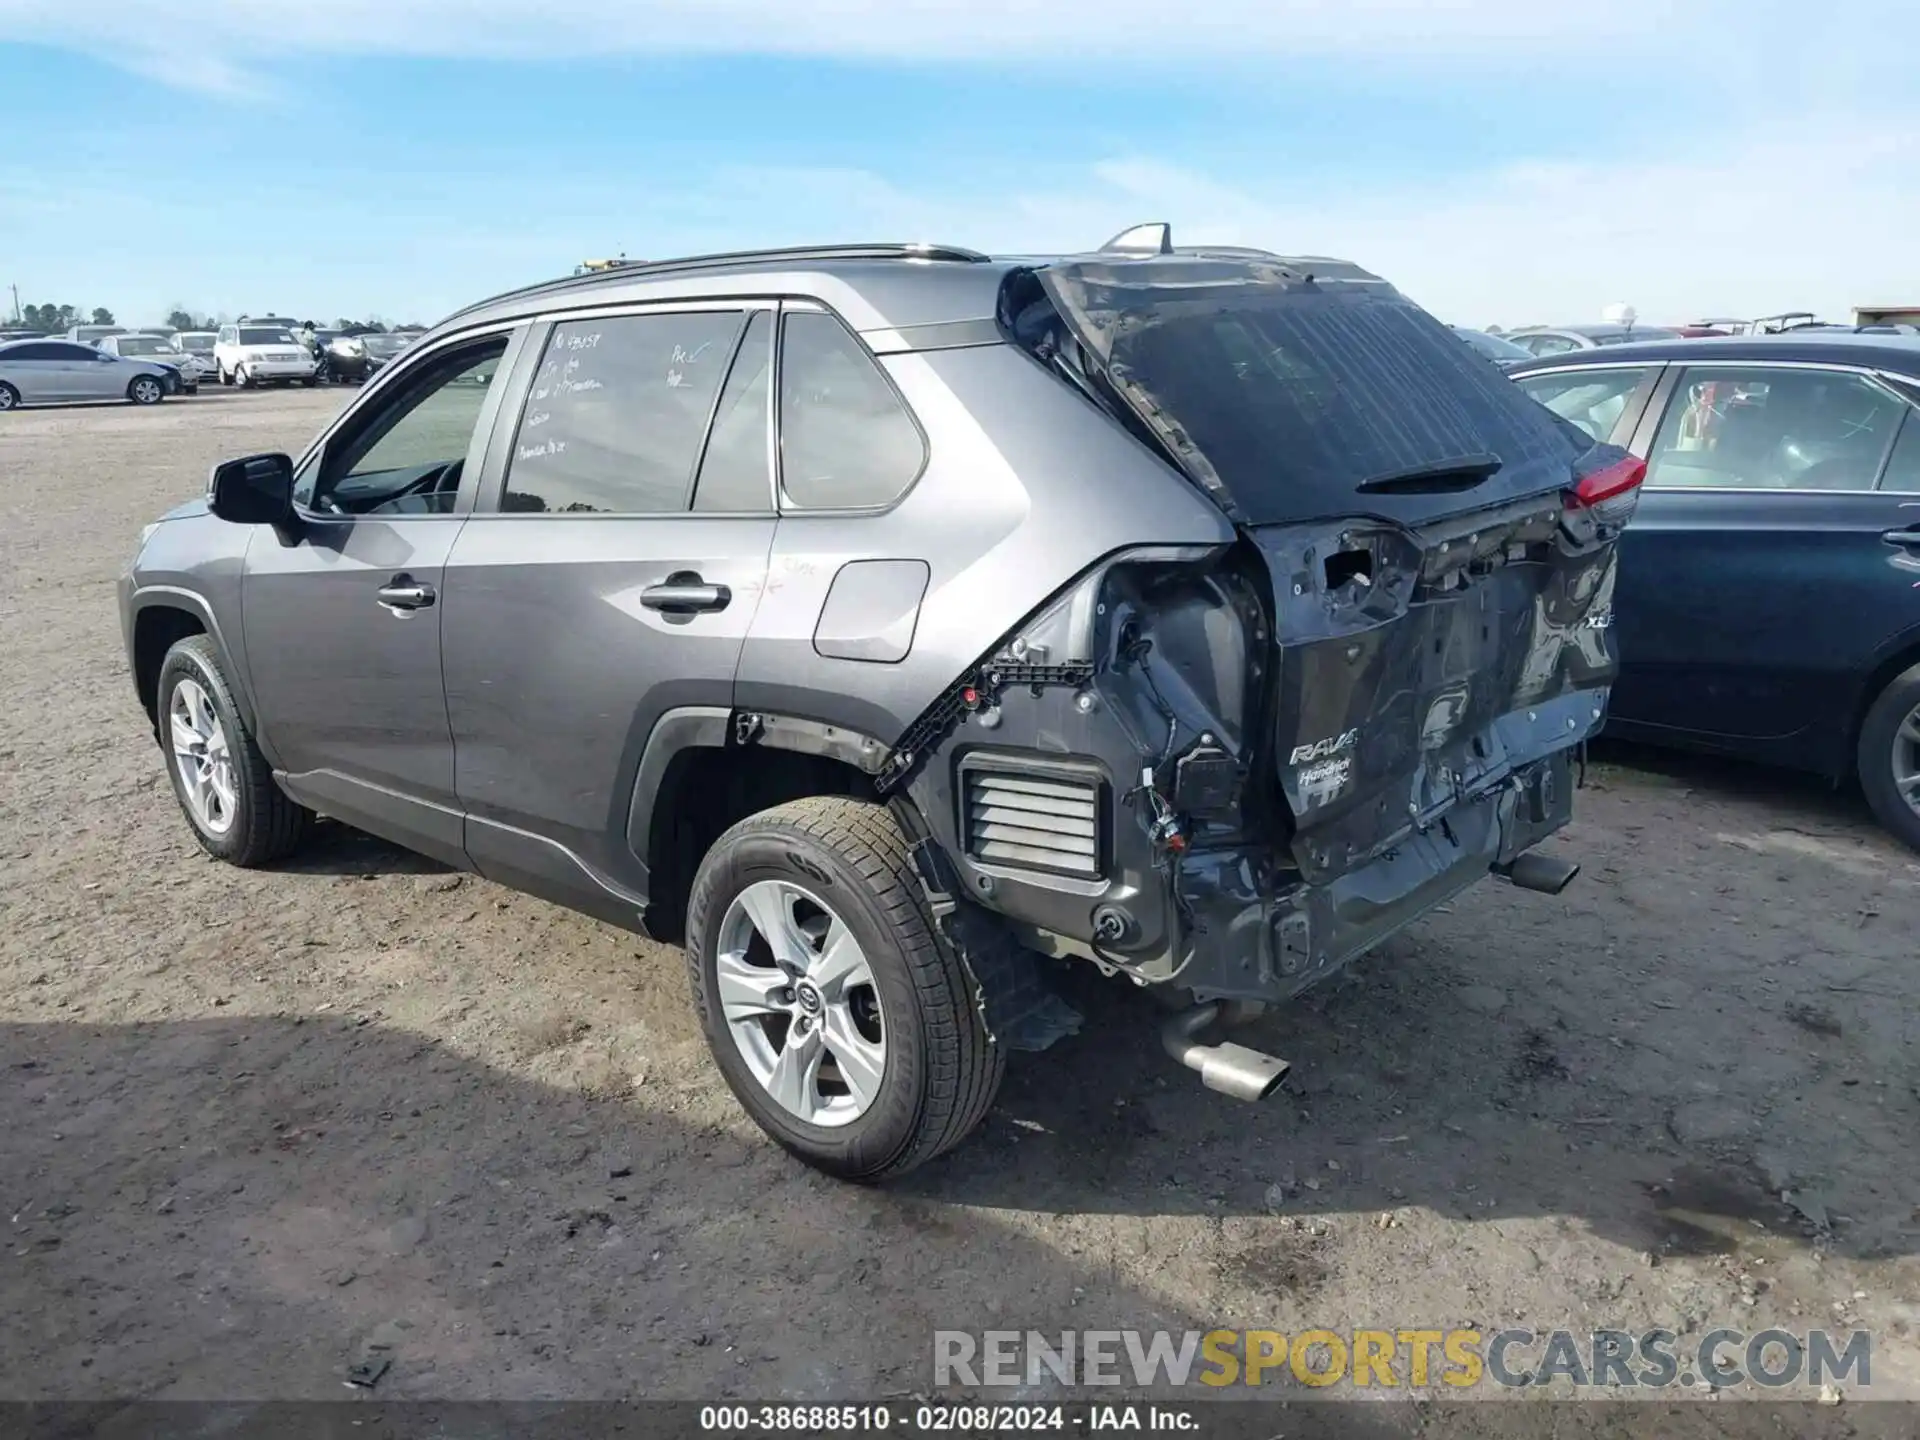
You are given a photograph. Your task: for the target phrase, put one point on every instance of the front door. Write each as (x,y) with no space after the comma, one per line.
(609,575)
(343,620)
(1764,570)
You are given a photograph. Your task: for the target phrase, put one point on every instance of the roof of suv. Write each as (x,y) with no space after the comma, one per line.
(875,287)
(1899,352)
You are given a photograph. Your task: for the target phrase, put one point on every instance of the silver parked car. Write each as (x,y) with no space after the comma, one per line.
(872,617)
(55,372)
(150,345)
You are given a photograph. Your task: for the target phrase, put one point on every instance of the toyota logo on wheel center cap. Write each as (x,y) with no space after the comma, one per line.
(808,997)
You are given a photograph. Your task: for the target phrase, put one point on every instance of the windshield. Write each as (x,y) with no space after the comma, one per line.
(143,345)
(1290,396)
(194,339)
(386,344)
(1492,346)
(1633,336)
(257,335)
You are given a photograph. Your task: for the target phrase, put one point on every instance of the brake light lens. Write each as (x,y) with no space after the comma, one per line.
(1610,481)
(1609,495)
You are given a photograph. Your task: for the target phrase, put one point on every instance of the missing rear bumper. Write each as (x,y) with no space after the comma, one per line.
(1263,935)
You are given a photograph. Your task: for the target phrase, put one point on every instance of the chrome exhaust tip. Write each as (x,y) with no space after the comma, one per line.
(1230,1069)
(1539,872)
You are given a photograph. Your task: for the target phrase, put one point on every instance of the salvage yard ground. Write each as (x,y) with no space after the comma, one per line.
(252,1124)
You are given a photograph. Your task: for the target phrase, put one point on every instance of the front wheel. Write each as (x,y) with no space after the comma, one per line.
(1889,756)
(223,783)
(9,397)
(145,390)
(851,1037)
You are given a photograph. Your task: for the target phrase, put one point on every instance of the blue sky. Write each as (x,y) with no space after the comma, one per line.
(1501,161)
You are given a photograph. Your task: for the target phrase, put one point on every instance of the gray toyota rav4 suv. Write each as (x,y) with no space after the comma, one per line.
(879,619)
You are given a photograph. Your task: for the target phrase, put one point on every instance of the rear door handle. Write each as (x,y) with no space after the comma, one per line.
(685,594)
(1902,537)
(403,593)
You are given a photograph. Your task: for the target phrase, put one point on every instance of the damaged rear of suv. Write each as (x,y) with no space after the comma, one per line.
(1203,615)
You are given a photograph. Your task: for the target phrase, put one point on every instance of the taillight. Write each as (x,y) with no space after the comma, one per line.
(1609,481)
(1611,493)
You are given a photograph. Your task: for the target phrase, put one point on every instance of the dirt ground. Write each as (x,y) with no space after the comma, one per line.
(252,1124)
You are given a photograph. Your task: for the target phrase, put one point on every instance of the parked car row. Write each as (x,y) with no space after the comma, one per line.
(253,351)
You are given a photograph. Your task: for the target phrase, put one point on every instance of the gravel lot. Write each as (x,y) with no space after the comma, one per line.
(251,1124)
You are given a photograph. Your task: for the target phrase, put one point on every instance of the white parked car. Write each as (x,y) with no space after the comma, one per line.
(248,354)
(137,345)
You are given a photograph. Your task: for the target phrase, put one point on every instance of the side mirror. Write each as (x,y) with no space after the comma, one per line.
(255,490)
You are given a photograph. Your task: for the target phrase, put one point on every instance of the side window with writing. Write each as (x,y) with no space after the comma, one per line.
(615,417)
(737,471)
(846,440)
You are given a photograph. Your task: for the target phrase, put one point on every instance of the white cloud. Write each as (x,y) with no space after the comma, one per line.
(223,45)
(1819,214)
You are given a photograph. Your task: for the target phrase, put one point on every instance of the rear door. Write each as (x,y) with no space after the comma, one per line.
(1435,586)
(609,576)
(1764,573)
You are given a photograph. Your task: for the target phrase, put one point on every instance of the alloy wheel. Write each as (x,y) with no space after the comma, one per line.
(1906,760)
(6,397)
(799,1000)
(202,756)
(146,391)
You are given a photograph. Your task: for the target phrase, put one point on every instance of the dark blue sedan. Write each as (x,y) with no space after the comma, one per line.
(1768,597)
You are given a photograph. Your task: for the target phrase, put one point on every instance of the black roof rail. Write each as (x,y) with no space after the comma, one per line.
(646,269)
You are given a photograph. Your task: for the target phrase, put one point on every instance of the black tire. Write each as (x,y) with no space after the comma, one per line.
(942,1070)
(9,397)
(1883,746)
(145,390)
(267,824)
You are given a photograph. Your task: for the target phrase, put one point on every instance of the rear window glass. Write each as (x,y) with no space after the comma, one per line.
(1297,399)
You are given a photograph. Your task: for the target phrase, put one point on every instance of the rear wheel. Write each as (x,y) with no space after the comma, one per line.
(1889,756)
(145,390)
(222,781)
(9,397)
(850,1036)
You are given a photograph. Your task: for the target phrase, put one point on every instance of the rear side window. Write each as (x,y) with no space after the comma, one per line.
(737,471)
(1592,399)
(1903,468)
(28,352)
(846,439)
(618,409)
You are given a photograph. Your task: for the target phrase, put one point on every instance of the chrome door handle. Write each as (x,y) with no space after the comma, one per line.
(1902,537)
(403,594)
(685,595)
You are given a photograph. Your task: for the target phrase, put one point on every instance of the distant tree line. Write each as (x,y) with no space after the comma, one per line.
(62,317)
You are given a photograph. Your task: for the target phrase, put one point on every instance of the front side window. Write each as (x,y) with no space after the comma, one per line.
(614,420)
(406,454)
(1592,399)
(846,440)
(1773,428)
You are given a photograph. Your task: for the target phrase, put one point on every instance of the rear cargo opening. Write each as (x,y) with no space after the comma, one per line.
(1435,570)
